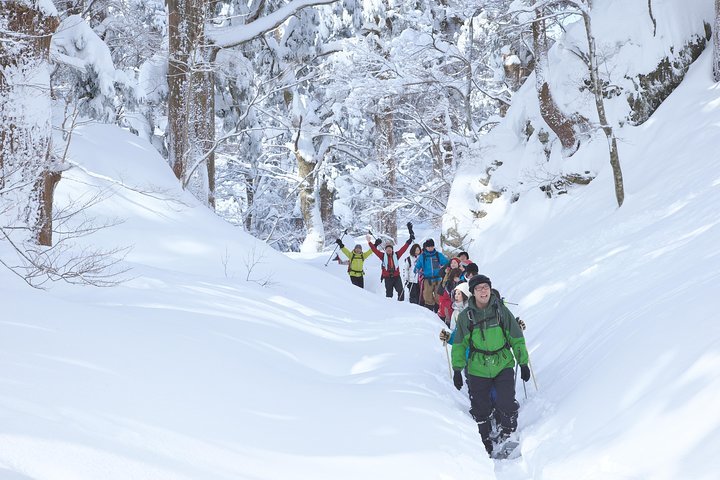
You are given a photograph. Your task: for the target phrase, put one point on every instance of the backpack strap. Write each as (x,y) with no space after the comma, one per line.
(353,257)
(481,324)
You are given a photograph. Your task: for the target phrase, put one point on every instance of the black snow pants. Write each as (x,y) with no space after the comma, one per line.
(506,407)
(358,281)
(414,292)
(394,283)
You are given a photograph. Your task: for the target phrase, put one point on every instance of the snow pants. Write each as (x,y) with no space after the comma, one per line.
(414,292)
(358,281)
(481,403)
(396,284)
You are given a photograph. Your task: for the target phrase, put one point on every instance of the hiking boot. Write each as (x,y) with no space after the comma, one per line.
(488,446)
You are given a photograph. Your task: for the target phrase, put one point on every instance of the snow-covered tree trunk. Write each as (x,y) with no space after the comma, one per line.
(309,191)
(385,143)
(191,119)
(559,122)
(180,45)
(716,42)
(600,106)
(27,166)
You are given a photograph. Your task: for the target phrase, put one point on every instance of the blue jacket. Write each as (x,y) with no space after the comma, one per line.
(430,264)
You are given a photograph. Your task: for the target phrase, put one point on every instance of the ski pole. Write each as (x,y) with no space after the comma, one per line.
(447,354)
(336,247)
(532,374)
(525,389)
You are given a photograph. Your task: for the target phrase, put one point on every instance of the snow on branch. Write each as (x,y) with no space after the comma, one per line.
(236,35)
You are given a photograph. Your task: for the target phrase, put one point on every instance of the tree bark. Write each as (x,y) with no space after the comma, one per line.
(187,89)
(561,124)
(385,138)
(25,114)
(600,106)
(309,200)
(327,197)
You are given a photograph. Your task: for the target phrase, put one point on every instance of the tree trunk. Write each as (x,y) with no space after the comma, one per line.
(327,197)
(309,199)
(178,77)
(25,114)
(191,103)
(716,42)
(385,144)
(600,106)
(561,124)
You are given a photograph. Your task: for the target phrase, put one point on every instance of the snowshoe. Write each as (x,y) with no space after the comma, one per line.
(506,447)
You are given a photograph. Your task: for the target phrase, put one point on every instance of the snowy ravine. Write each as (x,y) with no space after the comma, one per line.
(222,359)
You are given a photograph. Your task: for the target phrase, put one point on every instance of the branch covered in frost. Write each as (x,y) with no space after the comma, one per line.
(229,37)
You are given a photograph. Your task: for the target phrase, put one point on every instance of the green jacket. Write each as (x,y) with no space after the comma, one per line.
(357,260)
(488,336)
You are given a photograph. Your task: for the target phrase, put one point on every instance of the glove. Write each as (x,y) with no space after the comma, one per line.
(411,239)
(378,242)
(521,323)
(524,373)
(339,242)
(457,379)
(444,336)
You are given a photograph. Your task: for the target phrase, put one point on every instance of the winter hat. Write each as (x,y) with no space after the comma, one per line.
(477,280)
(357,246)
(429,243)
(464,287)
(389,244)
(456,259)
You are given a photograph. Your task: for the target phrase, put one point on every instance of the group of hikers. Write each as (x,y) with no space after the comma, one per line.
(487,339)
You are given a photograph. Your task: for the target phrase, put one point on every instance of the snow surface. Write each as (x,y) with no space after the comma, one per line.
(190,371)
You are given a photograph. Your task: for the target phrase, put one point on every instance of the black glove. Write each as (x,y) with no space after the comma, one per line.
(524,373)
(410,230)
(378,242)
(411,239)
(339,242)
(457,379)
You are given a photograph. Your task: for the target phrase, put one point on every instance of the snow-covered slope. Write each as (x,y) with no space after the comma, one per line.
(190,371)
(621,303)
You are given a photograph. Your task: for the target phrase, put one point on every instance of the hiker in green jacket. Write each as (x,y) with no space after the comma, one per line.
(495,342)
(356,262)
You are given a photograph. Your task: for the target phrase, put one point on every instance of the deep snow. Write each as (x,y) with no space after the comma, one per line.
(190,371)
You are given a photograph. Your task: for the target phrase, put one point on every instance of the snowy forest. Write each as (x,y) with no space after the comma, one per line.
(200,159)
(297,120)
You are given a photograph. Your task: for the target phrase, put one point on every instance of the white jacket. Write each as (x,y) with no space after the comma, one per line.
(409,274)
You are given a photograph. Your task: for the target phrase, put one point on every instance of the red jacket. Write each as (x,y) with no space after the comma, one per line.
(381,256)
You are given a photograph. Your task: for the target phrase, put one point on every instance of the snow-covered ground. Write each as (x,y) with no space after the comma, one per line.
(222,359)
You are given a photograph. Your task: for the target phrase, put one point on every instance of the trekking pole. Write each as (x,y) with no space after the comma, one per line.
(336,247)
(532,374)
(447,354)
(502,299)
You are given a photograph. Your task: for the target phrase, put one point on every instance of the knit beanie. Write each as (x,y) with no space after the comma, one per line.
(477,280)
(471,268)
(429,243)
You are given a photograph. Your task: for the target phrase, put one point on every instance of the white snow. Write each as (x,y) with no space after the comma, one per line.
(220,358)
